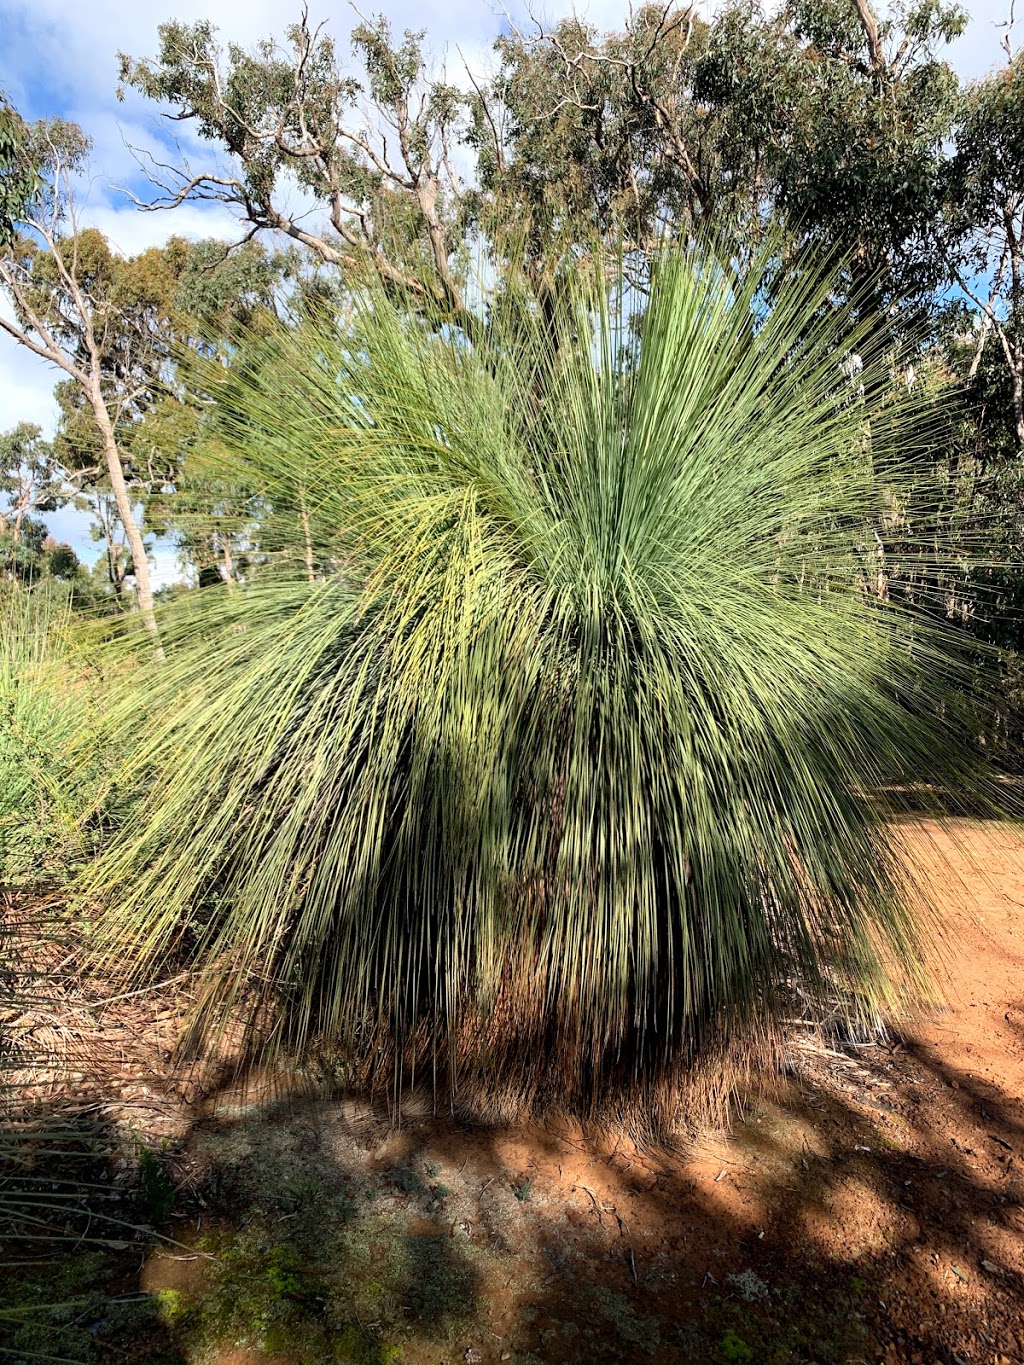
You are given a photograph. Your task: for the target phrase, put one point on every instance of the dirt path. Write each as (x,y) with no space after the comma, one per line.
(980,879)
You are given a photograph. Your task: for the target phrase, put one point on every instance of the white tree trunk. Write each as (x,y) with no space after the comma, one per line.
(307,538)
(123,502)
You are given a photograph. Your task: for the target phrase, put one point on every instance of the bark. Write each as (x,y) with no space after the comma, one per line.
(229,566)
(1015,252)
(123,502)
(1018,398)
(116,581)
(869,24)
(1013,349)
(986,319)
(307,540)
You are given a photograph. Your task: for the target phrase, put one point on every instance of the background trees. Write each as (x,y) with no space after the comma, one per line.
(825,123)
(374,150)
(71,306)
(31,481)
(982,221)
(114,326)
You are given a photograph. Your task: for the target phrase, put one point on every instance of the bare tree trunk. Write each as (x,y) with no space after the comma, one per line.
(869,24)
(986,318)
(308,543)
(1017,380)
(229,566)
(112,572)
(123,502)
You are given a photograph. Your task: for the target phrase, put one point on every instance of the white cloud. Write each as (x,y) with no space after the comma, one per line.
(131,230)
(77,43)
(26,388)
(26,383)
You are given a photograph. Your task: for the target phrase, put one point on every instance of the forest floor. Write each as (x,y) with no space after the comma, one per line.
(869,1207)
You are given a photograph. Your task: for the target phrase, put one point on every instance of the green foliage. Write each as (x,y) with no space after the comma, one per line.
(49,775)
(165,297)
(849,127)
(980,234)
(293,109)
(18,178)
(67,1309)
(308,1287)
(156,1196)
(737,118)
(986,175)
(733,1348)
(569,764)
(32,484)
(30,478)
(257,1294)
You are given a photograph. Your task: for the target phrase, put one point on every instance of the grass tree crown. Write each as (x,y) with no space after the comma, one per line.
(549,752)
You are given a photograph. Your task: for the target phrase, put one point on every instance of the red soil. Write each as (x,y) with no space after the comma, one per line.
(880,1188)
(868,1209)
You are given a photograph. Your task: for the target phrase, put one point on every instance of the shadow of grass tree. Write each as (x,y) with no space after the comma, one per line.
(66,1305)
(71,1240)
(831,1228)
(316,1274)
(71,1236)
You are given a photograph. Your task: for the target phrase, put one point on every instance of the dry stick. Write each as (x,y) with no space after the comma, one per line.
(143,990)
(597,1206)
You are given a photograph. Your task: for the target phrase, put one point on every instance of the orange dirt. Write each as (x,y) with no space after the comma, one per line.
(868,1208)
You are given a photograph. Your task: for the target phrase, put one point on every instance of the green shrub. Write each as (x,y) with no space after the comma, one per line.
(156,1196)
(50,772)
(567,760)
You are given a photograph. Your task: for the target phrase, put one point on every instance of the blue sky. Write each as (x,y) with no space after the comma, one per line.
(59,57)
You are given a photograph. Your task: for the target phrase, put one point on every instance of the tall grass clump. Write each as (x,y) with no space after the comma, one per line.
(49,705)
(562,767)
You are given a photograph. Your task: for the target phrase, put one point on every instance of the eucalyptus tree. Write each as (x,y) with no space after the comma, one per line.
(818,112)
(821,111)
(982,229)
(31,479)
(374,150)
(215,296)
(17,177)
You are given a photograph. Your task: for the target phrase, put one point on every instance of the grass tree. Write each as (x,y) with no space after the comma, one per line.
(566,765)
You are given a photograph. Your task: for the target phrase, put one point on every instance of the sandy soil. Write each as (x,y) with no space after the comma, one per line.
(869,1208)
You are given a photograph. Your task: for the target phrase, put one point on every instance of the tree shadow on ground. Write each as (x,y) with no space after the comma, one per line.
(79,1208)
(868,1209)
(836,1227)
